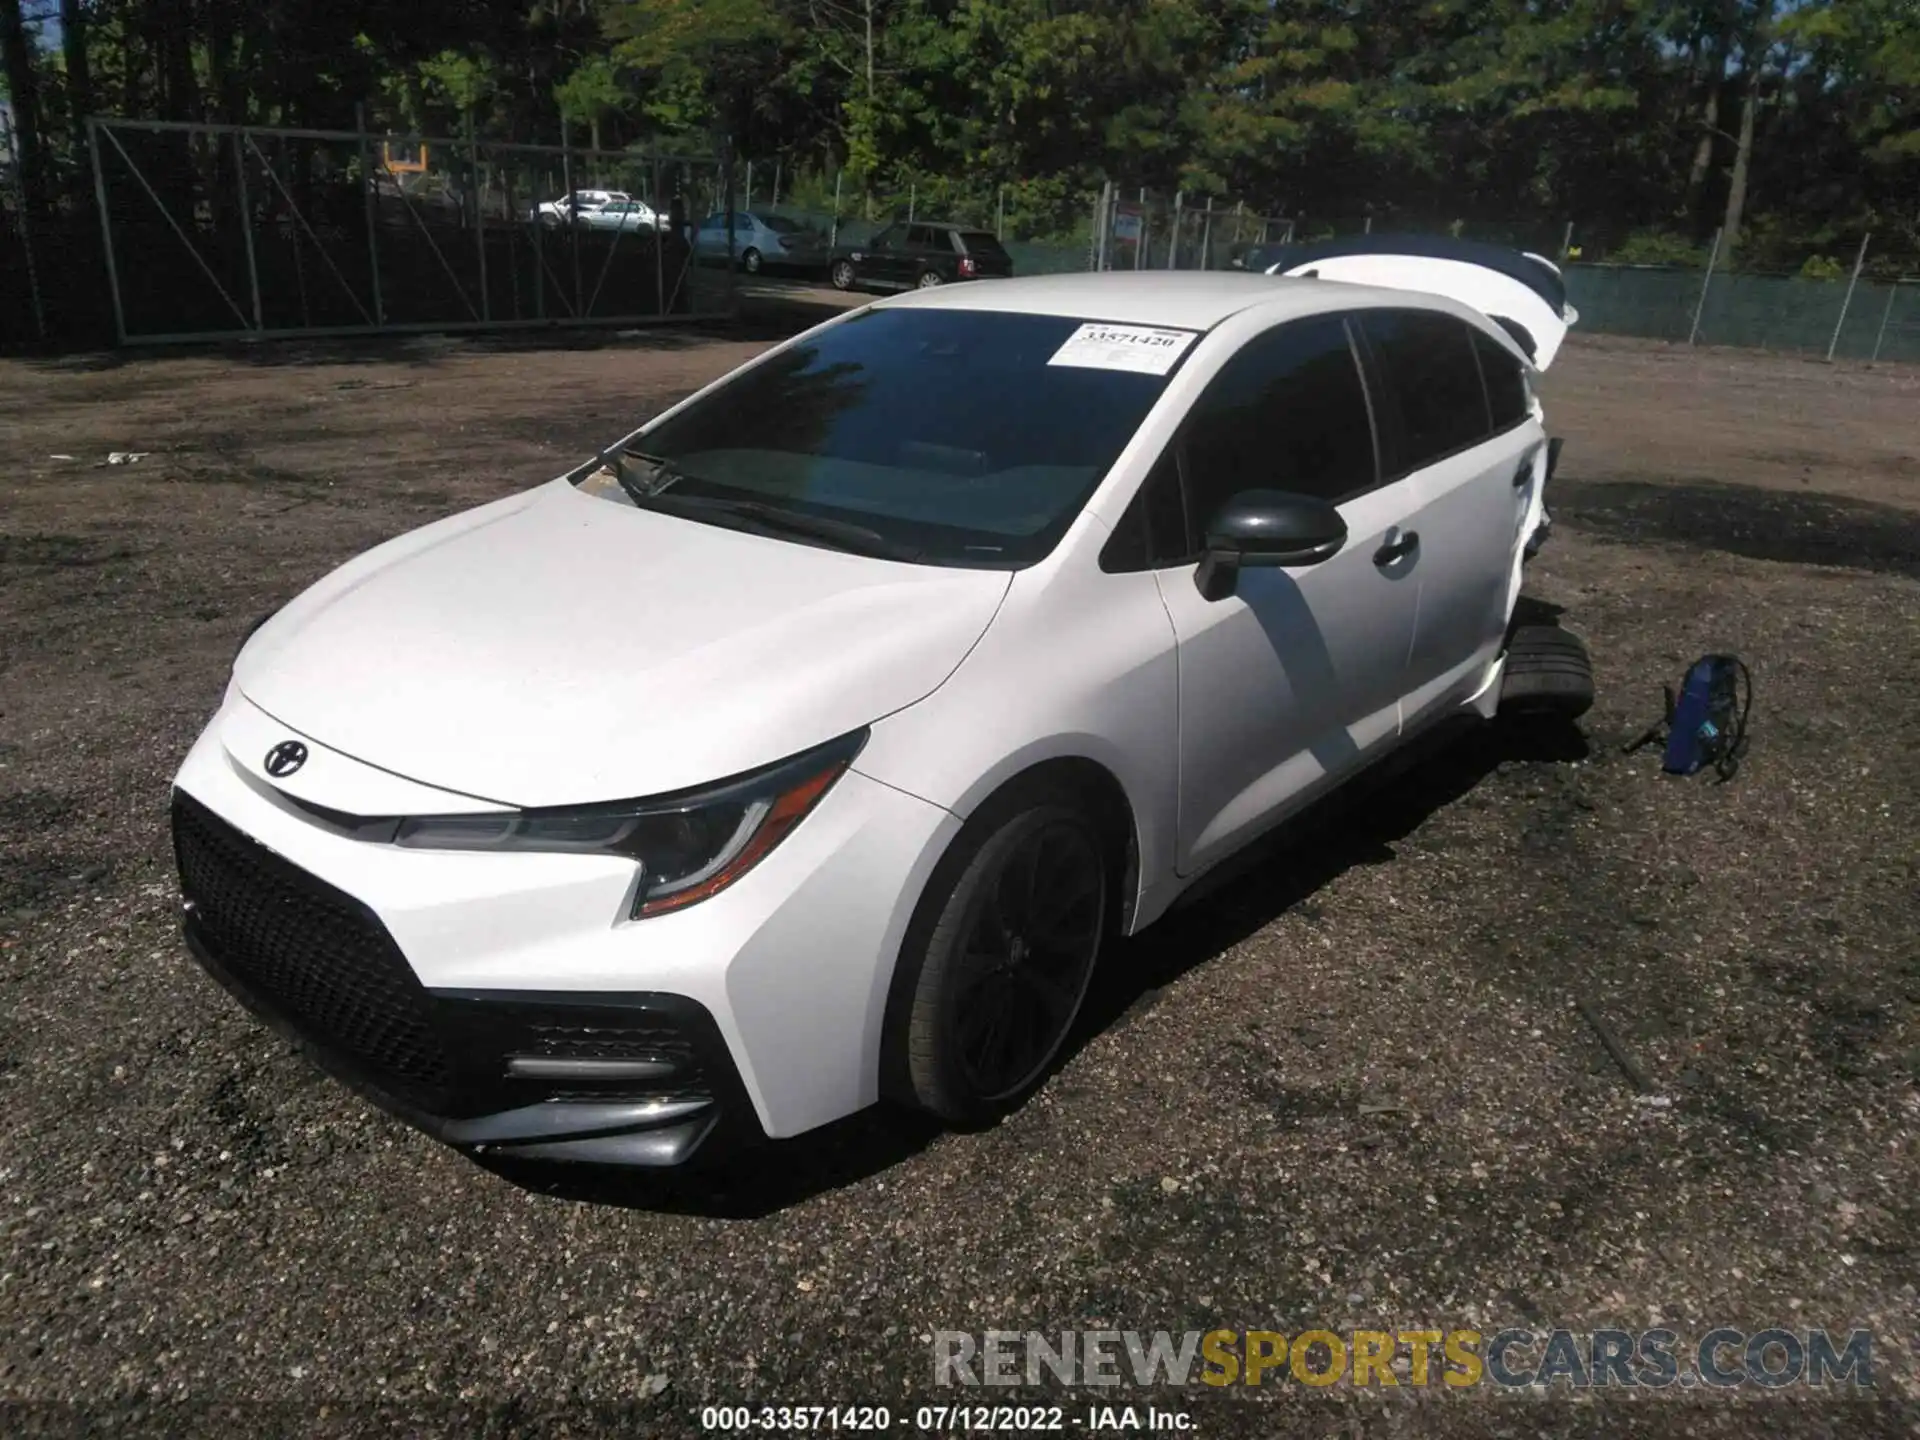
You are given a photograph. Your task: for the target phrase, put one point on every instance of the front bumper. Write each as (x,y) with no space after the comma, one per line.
(417,975)
(633,1078)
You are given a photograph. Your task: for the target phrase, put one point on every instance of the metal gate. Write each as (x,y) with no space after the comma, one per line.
(216,231)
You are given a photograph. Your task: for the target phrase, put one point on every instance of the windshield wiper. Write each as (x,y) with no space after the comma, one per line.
(840,534)
(641,492)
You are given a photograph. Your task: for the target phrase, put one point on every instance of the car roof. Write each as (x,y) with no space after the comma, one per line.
(1182,299)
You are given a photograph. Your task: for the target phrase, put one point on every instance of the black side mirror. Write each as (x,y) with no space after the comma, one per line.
(1267,528)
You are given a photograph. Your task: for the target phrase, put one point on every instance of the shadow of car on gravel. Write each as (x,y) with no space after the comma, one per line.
(1358,826)
(1785,526)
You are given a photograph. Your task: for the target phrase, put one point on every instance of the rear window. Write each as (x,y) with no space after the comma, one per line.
(780,224)
(945,430)
(1506,381)
(1432,380)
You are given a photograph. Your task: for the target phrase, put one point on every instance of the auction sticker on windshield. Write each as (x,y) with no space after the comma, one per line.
(1139,348)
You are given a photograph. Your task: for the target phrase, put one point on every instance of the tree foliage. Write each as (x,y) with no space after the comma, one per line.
(1793,121)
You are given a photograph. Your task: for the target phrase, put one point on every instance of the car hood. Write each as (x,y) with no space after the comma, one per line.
(556,648)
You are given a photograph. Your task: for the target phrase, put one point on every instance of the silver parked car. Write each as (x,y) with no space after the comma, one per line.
(576,206)
(760,240)
(620,215)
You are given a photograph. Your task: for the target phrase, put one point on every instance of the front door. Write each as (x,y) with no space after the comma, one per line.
(1292,682)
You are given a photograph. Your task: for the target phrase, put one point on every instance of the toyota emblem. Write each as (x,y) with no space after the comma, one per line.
(285,758)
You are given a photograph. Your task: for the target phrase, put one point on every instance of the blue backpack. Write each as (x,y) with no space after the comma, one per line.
(1706,724)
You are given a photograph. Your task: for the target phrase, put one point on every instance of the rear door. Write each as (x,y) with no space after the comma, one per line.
(884,258)
(1468,474)
(929,249)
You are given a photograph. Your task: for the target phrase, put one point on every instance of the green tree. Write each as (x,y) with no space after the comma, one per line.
(591,95)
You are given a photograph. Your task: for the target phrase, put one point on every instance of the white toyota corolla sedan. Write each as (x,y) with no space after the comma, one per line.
(803,748)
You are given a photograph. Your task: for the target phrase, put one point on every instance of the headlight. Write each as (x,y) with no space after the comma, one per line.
(688,846)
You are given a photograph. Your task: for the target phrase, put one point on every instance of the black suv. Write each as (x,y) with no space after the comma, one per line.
(921,253)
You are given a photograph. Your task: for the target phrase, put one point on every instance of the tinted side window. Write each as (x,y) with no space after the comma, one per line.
(1153,531)
(921,237)
(1427,363)
(1506,381)
(1286,413)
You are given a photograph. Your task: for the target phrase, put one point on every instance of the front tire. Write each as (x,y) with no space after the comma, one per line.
(1018,914)
(841,275)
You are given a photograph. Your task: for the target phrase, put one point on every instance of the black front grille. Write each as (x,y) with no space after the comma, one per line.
(312,953)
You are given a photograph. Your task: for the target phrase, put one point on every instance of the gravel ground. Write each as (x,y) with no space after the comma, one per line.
(1351,1089)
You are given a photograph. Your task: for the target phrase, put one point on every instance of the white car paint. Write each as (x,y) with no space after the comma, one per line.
(554,649)
(643,686)
(579,203)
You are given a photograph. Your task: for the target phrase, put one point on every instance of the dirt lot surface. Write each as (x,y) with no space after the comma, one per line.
(1350,1090)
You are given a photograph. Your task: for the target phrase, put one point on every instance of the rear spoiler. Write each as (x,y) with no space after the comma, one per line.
(1523,293)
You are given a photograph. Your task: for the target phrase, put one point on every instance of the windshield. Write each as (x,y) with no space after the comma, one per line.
(945,433)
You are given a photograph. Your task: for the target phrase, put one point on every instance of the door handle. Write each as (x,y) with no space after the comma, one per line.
(1523,474)
(1399,544)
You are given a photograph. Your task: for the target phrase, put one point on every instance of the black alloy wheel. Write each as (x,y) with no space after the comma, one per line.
(1032,936)
(1000,953)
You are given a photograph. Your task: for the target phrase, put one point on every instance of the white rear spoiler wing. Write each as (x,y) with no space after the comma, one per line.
(1521,292)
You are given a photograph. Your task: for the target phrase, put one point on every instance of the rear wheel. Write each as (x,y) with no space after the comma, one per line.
(1547,673)
(988,997)
(750,260)
(930,278)
(841,274)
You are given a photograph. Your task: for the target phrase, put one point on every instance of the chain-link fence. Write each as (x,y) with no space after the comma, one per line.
(1043,225)
(197,231)
(1842,319)
(1850,310)
(211,231)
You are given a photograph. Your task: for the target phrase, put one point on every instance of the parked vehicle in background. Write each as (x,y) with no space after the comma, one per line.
(922,254)
(575,206)
(619,215)
(760,240)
